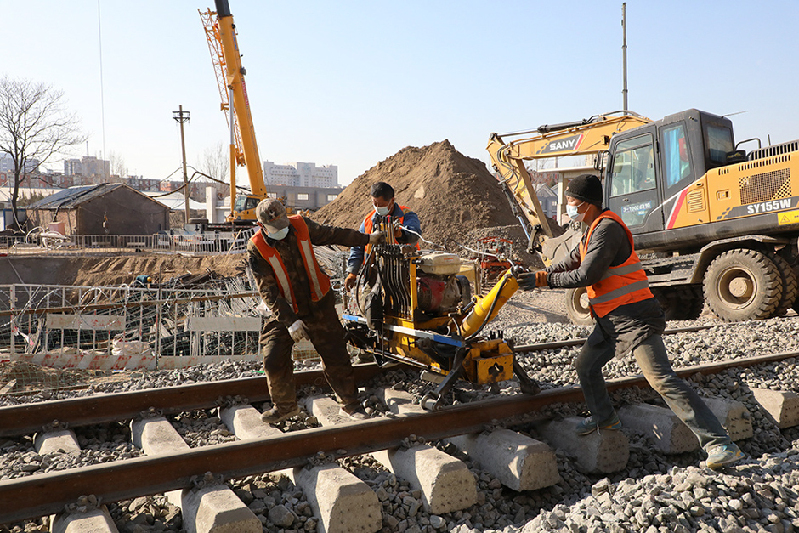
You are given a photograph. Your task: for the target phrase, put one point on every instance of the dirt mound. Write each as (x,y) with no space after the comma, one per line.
(453,194)
(112,271)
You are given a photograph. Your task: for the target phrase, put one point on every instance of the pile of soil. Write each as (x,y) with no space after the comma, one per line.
(453,195)
(113,271)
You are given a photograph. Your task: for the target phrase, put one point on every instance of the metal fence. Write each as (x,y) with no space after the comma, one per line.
(112,328)
(218,241)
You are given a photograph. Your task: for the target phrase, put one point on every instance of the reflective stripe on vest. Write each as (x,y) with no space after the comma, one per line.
(623,284)
(319,282)
(367,224)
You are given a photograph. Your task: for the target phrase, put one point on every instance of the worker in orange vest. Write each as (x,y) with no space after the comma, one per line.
(628,318)
(408,230)
(297,292)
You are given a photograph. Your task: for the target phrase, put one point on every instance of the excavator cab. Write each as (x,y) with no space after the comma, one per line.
(650,164)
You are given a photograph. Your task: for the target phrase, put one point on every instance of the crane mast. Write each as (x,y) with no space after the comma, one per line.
(226,59)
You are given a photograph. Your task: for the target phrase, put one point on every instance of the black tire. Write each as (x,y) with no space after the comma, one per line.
(796,302)
(789,284)
(680,303)
(577,307)
(694,302)
(742,284)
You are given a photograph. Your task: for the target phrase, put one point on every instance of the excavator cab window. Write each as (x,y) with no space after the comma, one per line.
(676,154)
(244,203)
(633,193)
(633,166)
(719,144)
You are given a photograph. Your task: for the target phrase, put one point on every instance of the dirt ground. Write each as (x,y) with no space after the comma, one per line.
(118,270)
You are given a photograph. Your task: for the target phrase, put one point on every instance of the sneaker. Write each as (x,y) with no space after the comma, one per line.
(589,425)
(275,415)
(354,411)
(723,455)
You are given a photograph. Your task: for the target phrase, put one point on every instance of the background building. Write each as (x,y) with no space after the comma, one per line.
(300,175)
(7,164)
(103,209)
(87,166)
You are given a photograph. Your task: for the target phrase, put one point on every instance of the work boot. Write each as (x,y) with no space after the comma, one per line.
(723,455)
(354,411)
(276,414)
(589,425)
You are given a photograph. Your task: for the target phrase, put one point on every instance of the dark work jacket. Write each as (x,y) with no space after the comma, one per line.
(291,256)
(628,325)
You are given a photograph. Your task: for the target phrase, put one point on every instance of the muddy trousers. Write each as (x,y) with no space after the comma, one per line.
(651,356)
(327,335)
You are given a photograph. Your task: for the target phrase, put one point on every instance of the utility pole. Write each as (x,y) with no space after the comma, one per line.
(181,117)
(624,53)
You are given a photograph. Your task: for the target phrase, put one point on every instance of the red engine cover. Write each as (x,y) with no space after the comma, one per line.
(429,293)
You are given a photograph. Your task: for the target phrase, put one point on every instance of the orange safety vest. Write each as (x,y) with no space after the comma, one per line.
(320,282)
(623,284)
(367,224)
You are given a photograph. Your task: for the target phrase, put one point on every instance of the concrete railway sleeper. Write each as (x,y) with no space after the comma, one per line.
(31,417)
(515,460)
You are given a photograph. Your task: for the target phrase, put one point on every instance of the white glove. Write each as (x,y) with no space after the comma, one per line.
(297,331)
(377,237)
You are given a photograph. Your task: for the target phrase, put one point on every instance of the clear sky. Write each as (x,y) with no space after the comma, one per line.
(350,83)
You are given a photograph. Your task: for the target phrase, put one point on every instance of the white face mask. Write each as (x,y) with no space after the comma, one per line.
(383,211)
(280,234)
(571,210)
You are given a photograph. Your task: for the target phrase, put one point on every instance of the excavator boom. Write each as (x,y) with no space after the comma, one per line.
(510,151)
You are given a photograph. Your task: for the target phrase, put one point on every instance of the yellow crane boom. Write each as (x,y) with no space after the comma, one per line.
(220,33)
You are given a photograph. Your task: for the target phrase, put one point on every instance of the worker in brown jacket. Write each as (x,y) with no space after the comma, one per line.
(297,292)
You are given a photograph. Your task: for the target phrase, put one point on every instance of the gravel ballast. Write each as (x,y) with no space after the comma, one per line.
(655,493)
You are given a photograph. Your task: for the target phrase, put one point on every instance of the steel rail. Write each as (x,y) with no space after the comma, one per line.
(574,342)
(37,495)
(30,418)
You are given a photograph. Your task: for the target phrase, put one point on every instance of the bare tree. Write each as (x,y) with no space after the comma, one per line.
(33,127)
(118,167)
(214,162)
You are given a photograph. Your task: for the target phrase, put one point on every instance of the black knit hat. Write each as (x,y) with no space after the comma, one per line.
(586,187)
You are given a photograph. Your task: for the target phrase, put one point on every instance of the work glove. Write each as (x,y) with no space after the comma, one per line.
(350,282)
(397,230)
(530,280)
(297,331)
(377,237)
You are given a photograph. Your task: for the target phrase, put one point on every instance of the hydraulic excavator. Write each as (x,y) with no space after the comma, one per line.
(416,308)
(711,222)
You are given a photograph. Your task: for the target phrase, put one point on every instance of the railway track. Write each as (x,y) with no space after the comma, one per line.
(33,496)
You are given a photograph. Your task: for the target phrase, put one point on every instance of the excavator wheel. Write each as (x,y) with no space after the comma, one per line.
(796,302)
(680,303)
(789,284)
(742,284)
(577,307)
(693,300)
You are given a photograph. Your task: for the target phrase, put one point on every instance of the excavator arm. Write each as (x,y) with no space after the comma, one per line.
(510,151)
